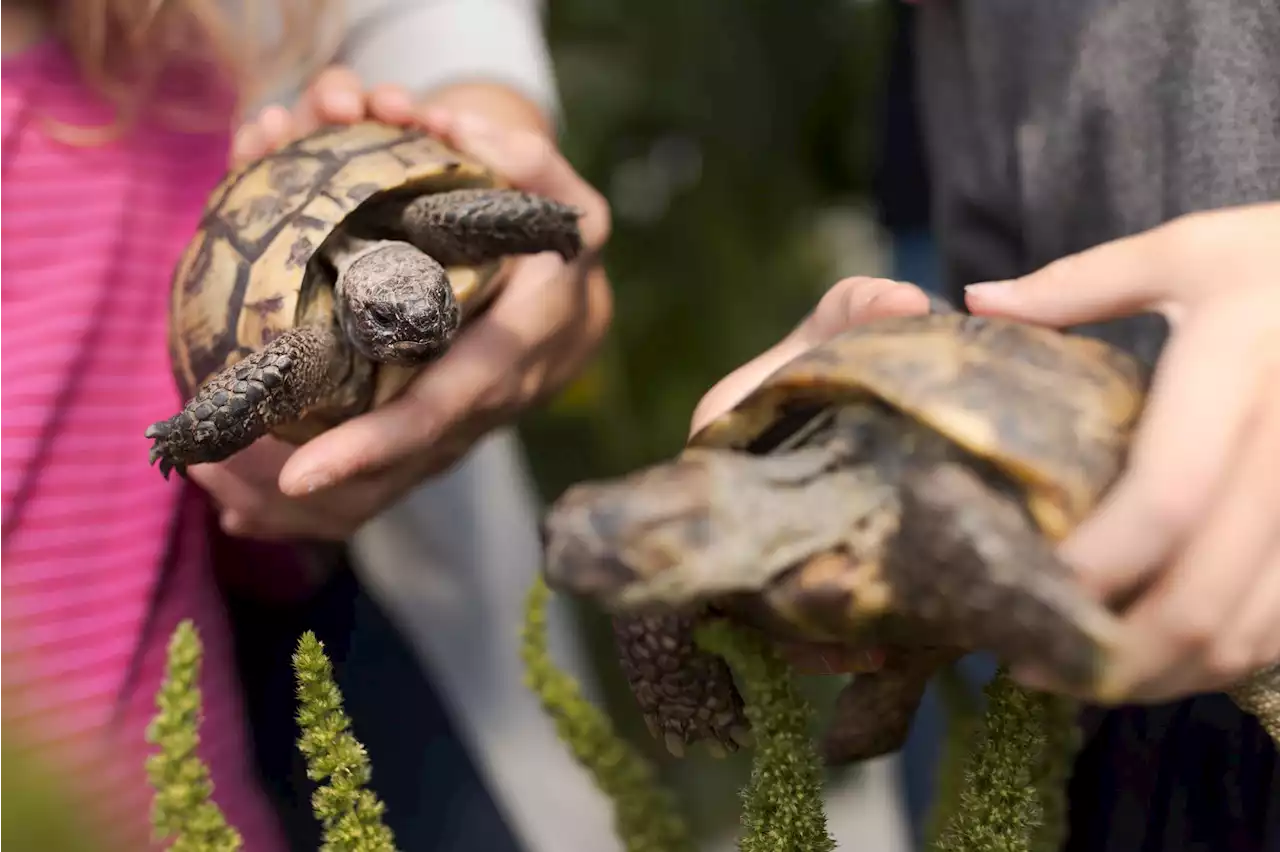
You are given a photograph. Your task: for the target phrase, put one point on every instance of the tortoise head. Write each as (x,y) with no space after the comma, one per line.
(712,522)
(396,305)
(608,539)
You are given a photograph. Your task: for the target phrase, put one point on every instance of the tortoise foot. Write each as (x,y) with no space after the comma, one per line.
(874,712)
(242,403)
(686,694)
(472,226)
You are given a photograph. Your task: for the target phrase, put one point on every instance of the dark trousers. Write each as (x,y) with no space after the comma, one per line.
(435,798)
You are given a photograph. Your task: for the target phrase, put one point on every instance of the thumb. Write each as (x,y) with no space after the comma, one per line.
(393,434)
(848,303)
(1119,278)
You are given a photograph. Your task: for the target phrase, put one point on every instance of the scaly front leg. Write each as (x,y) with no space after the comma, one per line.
(242,403)
(687,695)
(472,226)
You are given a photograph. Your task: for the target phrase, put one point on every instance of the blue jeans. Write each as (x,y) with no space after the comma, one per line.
(914,258)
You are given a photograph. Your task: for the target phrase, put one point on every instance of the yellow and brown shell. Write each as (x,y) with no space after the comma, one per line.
(1052,411)
(253,270)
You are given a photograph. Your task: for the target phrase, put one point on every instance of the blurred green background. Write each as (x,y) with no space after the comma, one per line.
(734,140)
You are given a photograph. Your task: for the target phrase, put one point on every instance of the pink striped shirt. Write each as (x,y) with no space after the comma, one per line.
(90,236)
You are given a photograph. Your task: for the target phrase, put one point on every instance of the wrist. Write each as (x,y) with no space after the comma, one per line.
(494,101)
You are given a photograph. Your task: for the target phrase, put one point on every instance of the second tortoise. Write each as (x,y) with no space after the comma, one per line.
(900,486)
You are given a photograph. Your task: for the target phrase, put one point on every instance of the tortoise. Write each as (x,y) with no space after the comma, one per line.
(326,274)
(900,486)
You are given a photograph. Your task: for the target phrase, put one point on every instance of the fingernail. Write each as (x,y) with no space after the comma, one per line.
(988,289)
(241,147)
(316,482)
(310,483)
(344,103)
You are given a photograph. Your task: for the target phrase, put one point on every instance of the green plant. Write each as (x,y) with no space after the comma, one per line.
(782,803)
(644,813)
(350,813)
(182,806)
(1012,792)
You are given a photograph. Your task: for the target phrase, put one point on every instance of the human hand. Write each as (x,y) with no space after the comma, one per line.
(1189,537)
(539,331)
(848,303)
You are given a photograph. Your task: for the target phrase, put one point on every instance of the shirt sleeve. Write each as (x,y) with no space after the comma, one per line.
(425,44)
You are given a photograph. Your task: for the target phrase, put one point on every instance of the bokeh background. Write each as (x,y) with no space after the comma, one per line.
(735,140)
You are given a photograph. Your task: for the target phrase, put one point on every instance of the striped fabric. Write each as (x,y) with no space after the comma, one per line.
(90,234)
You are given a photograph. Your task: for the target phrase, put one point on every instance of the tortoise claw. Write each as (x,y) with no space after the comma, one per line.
(742,736)
(674,744)
(159,432)
(651,722)
(717,749)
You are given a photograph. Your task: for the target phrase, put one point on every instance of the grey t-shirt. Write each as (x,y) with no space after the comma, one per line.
(1056,125)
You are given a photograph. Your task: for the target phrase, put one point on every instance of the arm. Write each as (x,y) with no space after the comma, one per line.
(487,56)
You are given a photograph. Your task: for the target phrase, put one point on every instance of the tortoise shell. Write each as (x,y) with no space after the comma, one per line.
(256,268)
(1051,411)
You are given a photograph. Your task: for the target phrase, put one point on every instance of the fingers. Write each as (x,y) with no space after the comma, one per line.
(484,372)
(274,127)
(1195,416)
(848,303)
(1115,279)
(336,96)
(391,104)
(530,161)
(547,320)
(1254,625)
(1200,624)
(250,504)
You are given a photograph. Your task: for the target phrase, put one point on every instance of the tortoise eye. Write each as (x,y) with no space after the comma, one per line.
(381,314)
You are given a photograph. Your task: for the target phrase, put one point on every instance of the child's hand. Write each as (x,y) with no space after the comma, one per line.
(848,303)
(335,97)
(541,328)
(1190,535)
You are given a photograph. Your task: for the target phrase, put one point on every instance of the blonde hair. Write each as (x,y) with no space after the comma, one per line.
(139,53)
